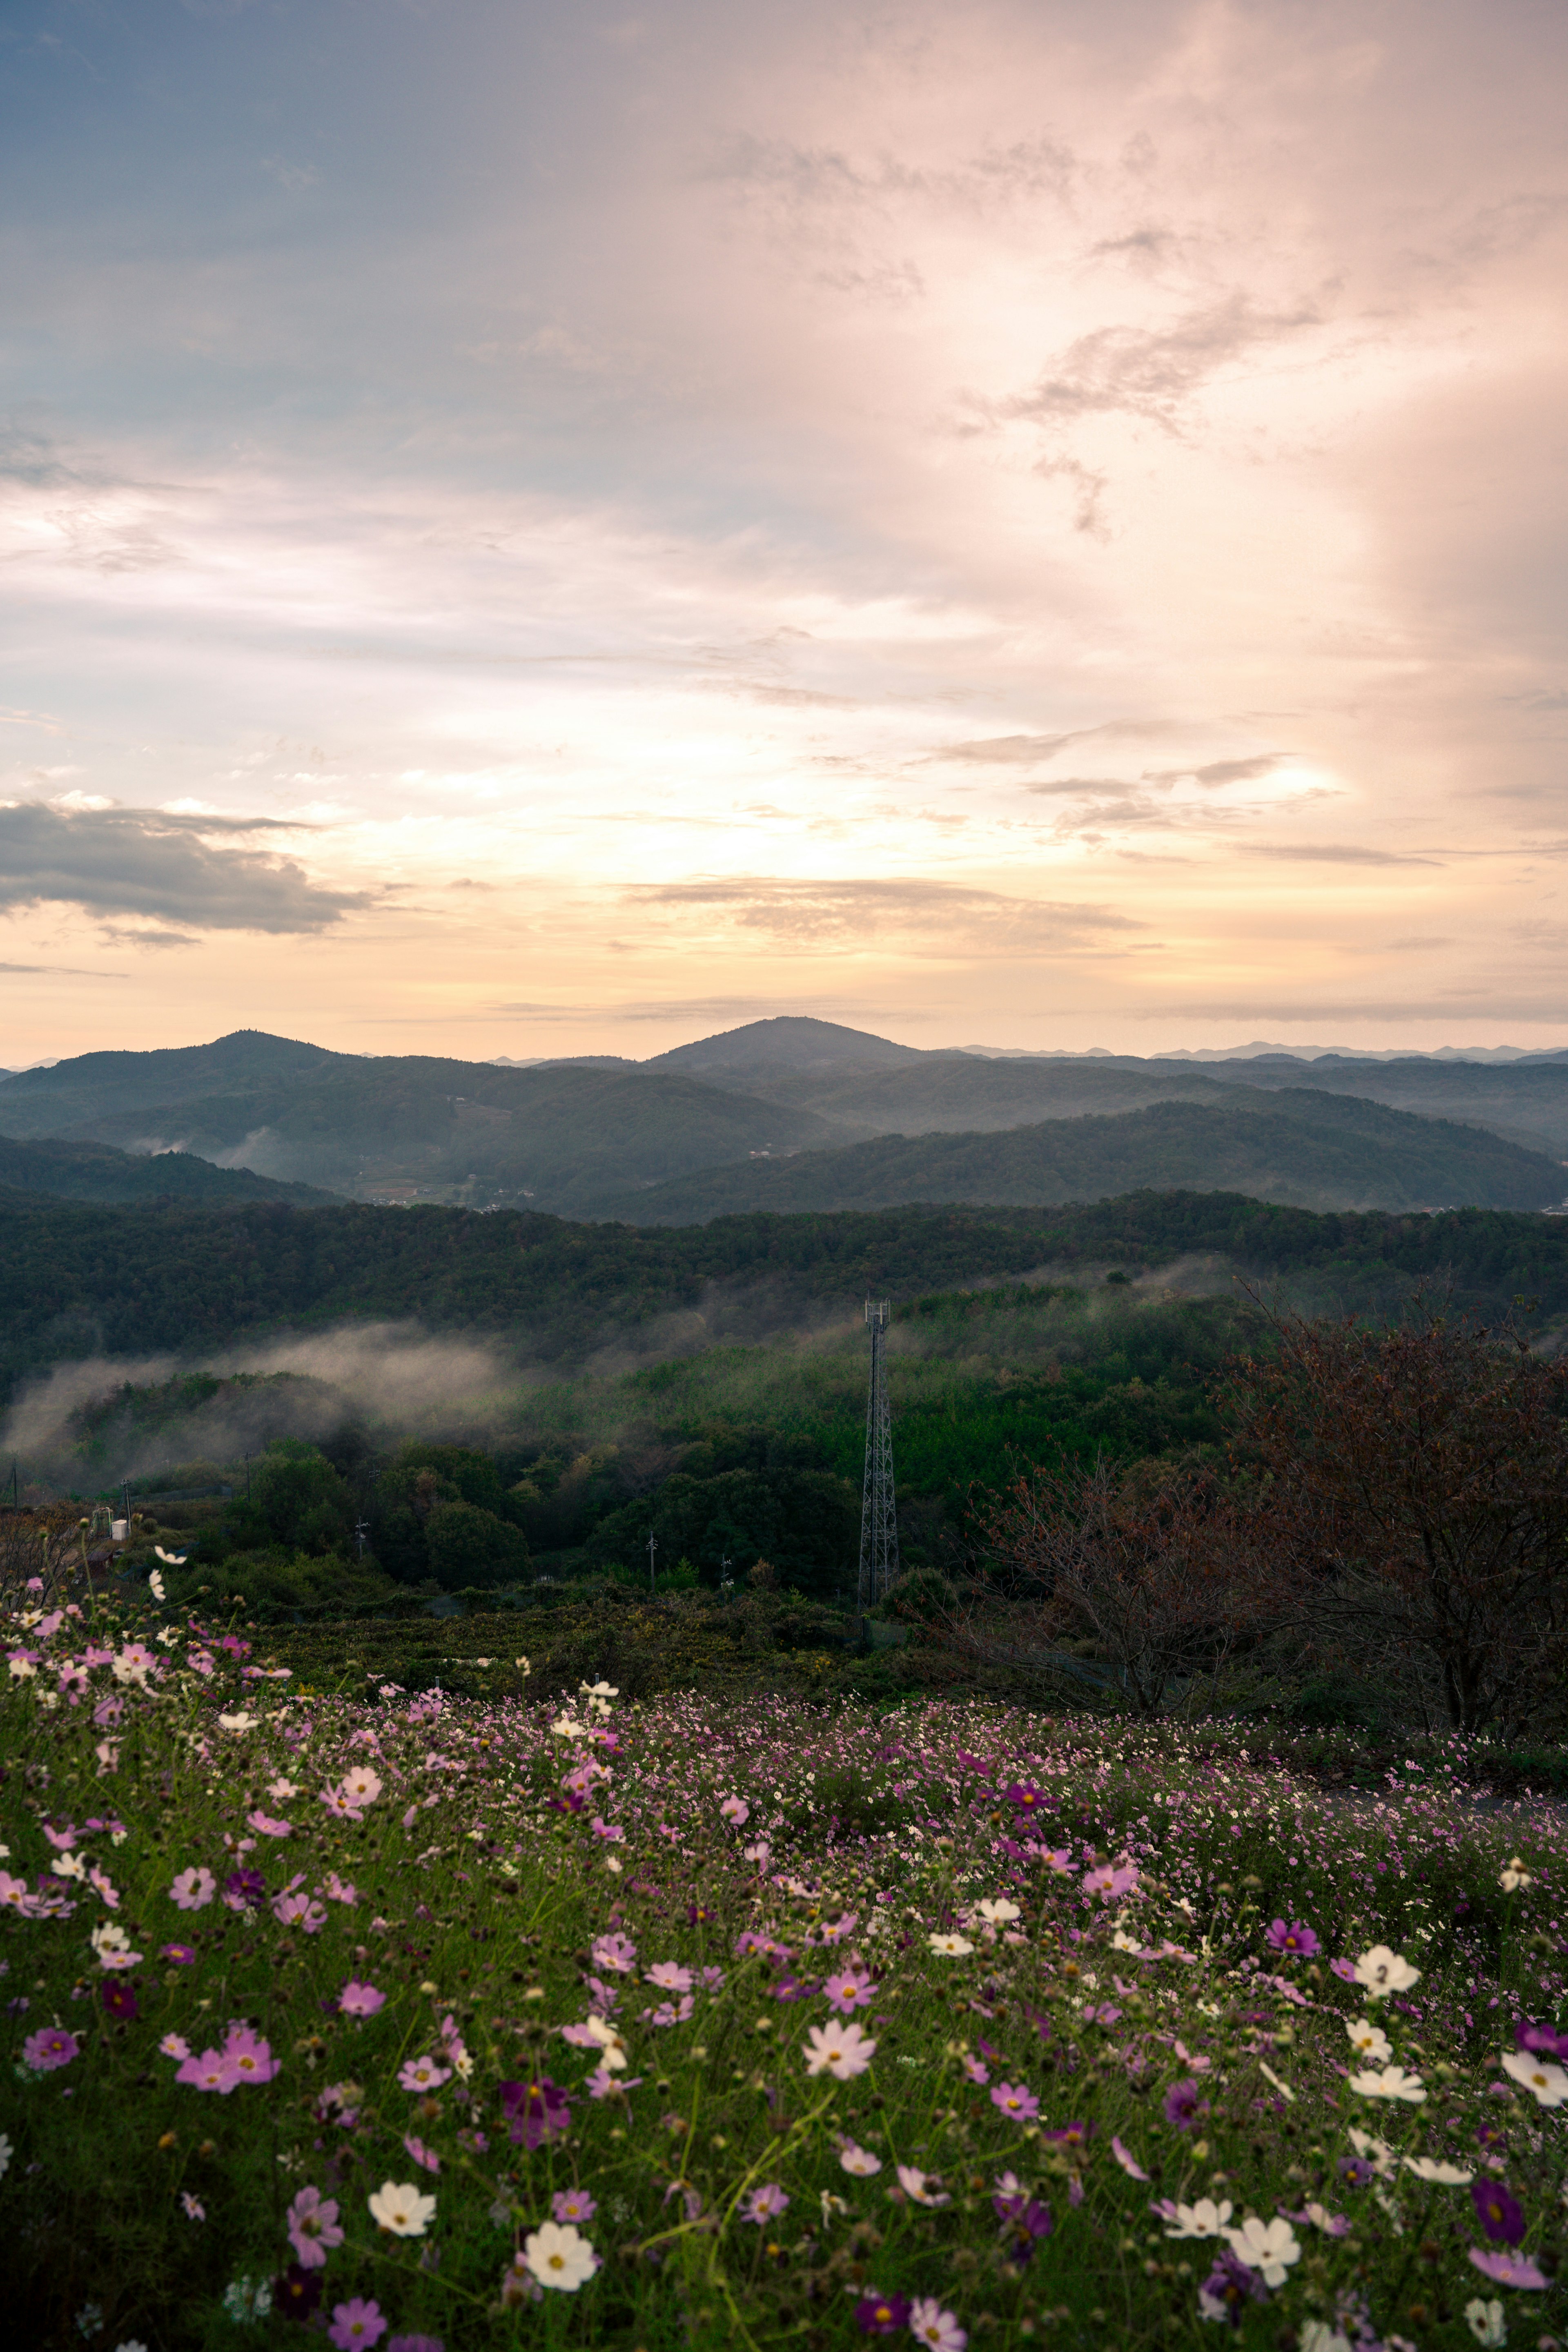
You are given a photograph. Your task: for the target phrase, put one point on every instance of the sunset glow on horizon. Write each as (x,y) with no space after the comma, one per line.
(558,528)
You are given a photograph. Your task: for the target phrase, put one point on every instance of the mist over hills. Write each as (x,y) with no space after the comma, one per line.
(708,1124)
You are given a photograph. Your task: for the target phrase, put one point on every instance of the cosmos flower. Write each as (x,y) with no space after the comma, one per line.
(561,2256)
(860,2161)
(1016,2100)
(194,1889)
(1547,2083)
(761,2205)
(357,1999)
(1267,2247)
(950,1947)
(849,1990)
(398,2208)
(1203,2220)
(311,2222)
(49,2048)
(1367,2040)
(1293,1936)
(930,2324)
(881,2315)
(1381,1971)
(923,2188)
(1507,2268)
(423,2075)
(1389,2082)
(356,2323)
(1499,2211)
(841,2050)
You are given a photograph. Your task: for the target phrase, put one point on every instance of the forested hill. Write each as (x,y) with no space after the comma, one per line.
(97,1171)
(1313,1150)
(76,1281)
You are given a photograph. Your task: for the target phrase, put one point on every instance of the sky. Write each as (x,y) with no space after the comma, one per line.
(552,527)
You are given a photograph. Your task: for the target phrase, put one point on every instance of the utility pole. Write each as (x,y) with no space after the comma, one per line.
(362,1530)
(652,1548)
(878,1509)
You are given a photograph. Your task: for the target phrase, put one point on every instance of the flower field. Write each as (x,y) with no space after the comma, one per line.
(418,2021)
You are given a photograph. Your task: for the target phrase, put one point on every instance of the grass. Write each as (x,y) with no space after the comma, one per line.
(696,1870)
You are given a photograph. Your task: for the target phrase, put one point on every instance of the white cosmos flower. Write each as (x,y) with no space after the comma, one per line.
(1548,2083)
(156,1582)
(1203,2220)
(1514,1876)
(1000,1912)
(241,1722)
(567,1728)
(1370,2041)
(1486,2321)
(1428,2168)
(1382,1971)
(7,2153)
(1375,2152)
(1267,2247)
(953,1946)
(1391,2082)
(398,2207)
(560,2256)
(1316,2336)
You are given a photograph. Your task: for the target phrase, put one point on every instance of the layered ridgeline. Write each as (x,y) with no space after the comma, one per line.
(583,1138)
(1311,1151)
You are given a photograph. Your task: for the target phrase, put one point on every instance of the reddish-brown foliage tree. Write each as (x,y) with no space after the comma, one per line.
(1417,1481)
(1162,1576)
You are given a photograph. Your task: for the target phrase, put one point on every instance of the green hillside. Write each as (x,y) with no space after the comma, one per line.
(77,1280)
(1311,1151)
(97,1171)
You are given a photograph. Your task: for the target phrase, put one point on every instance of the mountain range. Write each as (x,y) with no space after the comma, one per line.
(787,1113)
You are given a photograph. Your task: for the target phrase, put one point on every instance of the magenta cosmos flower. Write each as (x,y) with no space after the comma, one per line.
(1183,2106)
(881,2315)
(1293,1936)
(50,2047)
(1499,2211)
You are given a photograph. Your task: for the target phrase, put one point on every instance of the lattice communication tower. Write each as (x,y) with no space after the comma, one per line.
(878,1509)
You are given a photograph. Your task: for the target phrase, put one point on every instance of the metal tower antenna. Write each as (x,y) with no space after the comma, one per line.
(879,1510)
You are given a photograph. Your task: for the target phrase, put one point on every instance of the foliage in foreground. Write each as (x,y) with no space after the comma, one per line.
(470,2022)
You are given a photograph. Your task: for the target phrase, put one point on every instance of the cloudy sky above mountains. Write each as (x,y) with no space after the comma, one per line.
(552,527)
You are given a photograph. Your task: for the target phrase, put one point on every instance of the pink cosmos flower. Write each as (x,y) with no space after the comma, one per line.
(195,2210)
(617,1953)
(977,2070)
(759,2205)
(924,2188)
(423,2075)
(265,1826)
(249,2056)
(1128,2161)
(573,2205)
(1111,1880)
(736,1810)
(358,1999)
(210,2072)
(668,2013)
(849,1990)
(930,2324)
(1015,2099)
(362,1786)
(1507,2269)
(299,1911)
(356,2323)
(668,1975)
(422,2155)
(311,2222)
(194,1889)
(175,2045)
(842,2051)
(339,1890)
(49,2048)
